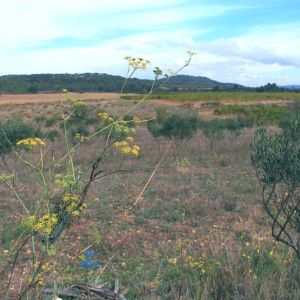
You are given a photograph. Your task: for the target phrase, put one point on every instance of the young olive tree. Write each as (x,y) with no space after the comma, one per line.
(276,159)
(176,126)
(215,129)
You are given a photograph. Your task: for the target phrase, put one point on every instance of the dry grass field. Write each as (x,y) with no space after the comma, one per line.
(54,97)
(198,231)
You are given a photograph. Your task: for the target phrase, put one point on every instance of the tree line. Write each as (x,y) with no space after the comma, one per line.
(101,82)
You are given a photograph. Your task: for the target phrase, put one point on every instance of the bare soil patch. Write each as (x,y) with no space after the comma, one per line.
(55,97)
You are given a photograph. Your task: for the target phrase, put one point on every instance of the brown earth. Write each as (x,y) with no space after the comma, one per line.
(54,97)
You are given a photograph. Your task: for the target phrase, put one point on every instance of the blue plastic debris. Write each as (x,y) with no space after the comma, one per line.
(88,263)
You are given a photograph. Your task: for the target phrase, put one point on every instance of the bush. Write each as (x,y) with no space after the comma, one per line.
(173,125)
(52,135)
(51,122)
(214,129)
(11,132)
(276,158)
(78,132)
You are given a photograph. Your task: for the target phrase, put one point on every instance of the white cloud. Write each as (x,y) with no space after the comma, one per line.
(263,55)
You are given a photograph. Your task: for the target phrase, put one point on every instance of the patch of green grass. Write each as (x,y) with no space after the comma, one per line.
(213,96)
(8,234)
(257,113)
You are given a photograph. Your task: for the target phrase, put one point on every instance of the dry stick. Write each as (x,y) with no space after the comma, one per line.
(14,264)
(136,200)
(138,197)
(152,174)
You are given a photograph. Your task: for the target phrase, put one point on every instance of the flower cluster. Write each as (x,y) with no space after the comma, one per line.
(137,63)
(136,119)
(172,261)
(105,116)
(28,222)
(117,128)
(66,182)
(122,127)
(81,138)
(6,177)
(157,72)
(45,224)
(71,204)
(201,263)
(262,248)
(126,148)
(46,267)
(75,102)
(31,142)
(190,53)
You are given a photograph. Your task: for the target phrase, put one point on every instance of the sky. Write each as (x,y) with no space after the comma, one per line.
(248,42)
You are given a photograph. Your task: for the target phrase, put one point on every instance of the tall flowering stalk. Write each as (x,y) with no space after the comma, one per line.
(63,191)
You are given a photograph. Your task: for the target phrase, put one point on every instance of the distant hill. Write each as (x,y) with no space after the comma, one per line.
(291,87)
(99,82)
(187,82)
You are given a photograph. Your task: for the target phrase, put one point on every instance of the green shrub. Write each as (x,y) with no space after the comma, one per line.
(52,135)
(258,113)
(11,132)
(173,125)
(214,129)
(129,119)
(51,122)
(276,159)
(77,132)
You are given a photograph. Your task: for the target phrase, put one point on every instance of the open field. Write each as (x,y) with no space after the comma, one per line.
(197,232)
(224,97)
(228,97)
(54,97)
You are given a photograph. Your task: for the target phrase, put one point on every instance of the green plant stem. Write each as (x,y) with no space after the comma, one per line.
(17,196)
(69,155)
(157,88)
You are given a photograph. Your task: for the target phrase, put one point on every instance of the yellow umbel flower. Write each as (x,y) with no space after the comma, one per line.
(103,115)
(46,223)
(125,148)
(68,197)
(81,138)
(46,267)
(75,213)
(136,120)
(129,139)
(135,150)
(31,142)
(172,261)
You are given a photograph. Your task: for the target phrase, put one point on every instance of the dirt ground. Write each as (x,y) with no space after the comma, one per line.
(54,97)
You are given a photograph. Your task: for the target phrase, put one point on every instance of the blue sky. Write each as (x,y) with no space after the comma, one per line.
(246,42)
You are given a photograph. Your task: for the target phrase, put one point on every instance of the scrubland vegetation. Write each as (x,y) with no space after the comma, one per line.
(147,205)
(224,96)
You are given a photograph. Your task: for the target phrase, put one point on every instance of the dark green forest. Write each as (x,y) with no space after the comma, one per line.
(100,82)
(96,82)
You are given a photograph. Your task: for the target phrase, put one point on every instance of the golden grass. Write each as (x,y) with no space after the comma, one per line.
(55,97)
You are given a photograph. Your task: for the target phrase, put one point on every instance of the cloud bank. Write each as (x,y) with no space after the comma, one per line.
(252,43)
